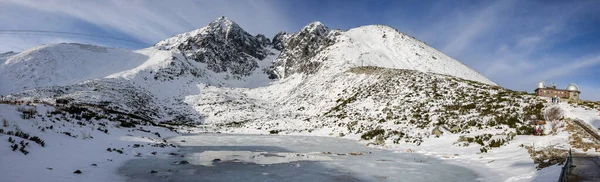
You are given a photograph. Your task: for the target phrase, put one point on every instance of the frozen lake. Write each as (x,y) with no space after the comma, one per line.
(216,157)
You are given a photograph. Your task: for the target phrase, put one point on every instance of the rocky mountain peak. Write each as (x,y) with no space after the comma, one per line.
(223,22)
(299,48)
(224,27)
(316,28)
(279,40)
(222,45)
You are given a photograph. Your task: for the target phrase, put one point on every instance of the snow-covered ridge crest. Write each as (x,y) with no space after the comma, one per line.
(198,65)
(63,64)
(223,45)
(390,48)
(221,26)
(317,48)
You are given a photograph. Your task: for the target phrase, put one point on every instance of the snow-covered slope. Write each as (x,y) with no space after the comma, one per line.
(5,56)
(372,83)
(384,46)
(316,47)
(201,75)
(63,64)
(96,146)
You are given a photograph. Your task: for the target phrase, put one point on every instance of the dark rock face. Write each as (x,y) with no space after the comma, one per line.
(224,47)
(279,40)
(299,48)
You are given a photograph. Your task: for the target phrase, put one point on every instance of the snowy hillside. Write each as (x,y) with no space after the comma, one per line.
(55,144)
(370,83)
(63,64)
(316,47)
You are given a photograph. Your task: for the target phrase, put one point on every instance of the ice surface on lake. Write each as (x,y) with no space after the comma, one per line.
(214,157)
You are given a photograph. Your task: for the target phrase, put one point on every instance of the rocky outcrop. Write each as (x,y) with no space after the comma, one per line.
(299,48)
(222,45)
(279,40)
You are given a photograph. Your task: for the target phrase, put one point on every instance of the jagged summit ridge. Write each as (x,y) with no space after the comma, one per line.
(316,47)
(299,49)
(222,45)
(181,71)
(221,26)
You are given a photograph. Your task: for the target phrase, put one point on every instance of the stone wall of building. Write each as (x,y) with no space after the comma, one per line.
(548,92)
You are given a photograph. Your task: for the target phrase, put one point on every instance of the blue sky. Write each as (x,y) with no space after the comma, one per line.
(514,43)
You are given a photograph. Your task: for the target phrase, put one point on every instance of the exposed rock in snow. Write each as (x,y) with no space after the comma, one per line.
(279,40)
(371,83)
(222,45)
(300,49)
(204,75)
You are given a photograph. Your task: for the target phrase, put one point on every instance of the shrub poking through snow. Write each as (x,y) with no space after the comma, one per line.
(22,135)
(22,149)
(117,150)
(103,130)
(274,132)
(38,140)
(372,134)
(127,124)
(4,123)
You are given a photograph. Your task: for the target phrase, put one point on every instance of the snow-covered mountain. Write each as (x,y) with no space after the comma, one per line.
(371,83)
(63,64)
(222,45)
(177,74)
(317,47)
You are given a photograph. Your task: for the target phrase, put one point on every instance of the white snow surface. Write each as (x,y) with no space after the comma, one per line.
(384,46)
(63,64)
(63,154)
(589,116)
(295,104)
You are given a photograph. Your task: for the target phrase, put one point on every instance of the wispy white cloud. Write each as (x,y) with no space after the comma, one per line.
(148,21)
(569,68)
(513,42)
(474,26)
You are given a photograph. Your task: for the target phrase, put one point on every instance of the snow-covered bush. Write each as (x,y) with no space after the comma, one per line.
(372,134)
(86,135)
(126,124)
(38,140)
